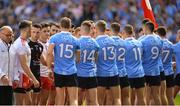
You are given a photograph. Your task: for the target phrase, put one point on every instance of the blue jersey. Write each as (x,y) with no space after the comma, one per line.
(161,68)
(133,60)
(64,53)
(167,57)
(141,37)
(151,53)
(88,48)
(106,63)
(176,50)
(120,55)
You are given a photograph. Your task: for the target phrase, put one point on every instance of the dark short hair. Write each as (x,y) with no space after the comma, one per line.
(150,26)
(45,24)
(36,25)
(145,21)
(101,25)
(54,23)
(129,29)
(65,22)
(161,31)
(25,24)
(115,27)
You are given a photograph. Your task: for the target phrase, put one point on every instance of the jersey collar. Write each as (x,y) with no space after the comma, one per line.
(130,38)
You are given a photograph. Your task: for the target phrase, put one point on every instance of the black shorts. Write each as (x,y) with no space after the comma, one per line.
(19,90)
(65,80)
(35,90)
(170,81)
(108,81)
(137,82)
(177,80)
(87,82)
(162,75)
(36,73)
(123,82)
(153,80)
(6,95)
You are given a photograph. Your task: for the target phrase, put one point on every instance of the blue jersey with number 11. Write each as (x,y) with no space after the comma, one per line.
(133,60)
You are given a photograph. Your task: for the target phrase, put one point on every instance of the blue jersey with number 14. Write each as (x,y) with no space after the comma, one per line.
(64,53)
(88,49)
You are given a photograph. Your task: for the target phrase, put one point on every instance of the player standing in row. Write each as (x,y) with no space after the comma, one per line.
(36,58)
(86,73)
(107,71)
(46,82)
(133,63)
(64,45)
(21,53)
(120,61)
(163,96)
(176,49)
(151,51)
(167,53)
(55,28)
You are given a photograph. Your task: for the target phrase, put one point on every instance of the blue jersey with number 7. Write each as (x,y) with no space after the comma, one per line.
(64,53)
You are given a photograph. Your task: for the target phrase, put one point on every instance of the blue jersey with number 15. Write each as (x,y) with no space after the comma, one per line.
(64,53)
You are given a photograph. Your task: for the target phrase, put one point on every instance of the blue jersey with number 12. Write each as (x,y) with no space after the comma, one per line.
(120,55)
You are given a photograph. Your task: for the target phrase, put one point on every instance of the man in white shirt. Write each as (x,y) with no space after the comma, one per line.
(6,92)
(21,54)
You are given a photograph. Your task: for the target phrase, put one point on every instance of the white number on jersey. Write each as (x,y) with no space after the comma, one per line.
(166,54)
(121,56)
(111,49)
(155,52)
(90,57)
(137,53)
(68,49)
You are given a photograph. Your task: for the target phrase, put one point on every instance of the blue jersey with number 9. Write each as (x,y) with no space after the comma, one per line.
(151,54)
(64,53)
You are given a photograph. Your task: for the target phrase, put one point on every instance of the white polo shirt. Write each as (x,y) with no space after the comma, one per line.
(44,69)
(20,47)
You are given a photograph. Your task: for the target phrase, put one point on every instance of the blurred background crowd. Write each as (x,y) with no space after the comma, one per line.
(167,12)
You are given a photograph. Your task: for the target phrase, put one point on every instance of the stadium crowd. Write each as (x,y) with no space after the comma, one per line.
(124,11)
